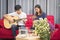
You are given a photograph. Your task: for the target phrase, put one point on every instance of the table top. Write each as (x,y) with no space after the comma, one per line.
(27,37)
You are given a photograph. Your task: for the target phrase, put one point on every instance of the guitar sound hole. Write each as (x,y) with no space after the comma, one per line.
(9,22)
(14,20)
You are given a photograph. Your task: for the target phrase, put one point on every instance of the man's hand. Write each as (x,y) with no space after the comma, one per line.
(24,20)
(11,20)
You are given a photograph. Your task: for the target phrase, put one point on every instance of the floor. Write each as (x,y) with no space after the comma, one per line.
(8,39)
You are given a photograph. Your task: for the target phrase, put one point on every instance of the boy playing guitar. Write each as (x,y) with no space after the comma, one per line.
(9,19)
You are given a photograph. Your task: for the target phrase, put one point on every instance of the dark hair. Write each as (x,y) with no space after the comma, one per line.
(38,6)
(17,7)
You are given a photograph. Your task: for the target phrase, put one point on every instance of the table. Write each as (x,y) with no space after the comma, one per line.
(18,37)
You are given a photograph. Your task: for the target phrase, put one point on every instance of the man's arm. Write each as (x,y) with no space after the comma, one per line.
(25,16)
(8,17)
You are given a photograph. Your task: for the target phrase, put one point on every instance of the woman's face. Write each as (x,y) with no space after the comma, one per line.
(37,9)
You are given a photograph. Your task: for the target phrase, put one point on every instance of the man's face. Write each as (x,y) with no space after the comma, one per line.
(19,11)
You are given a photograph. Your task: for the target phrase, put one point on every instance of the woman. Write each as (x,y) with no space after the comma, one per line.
(39,12)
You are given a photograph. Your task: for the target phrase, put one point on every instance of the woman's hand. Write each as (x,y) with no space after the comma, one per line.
(34,17)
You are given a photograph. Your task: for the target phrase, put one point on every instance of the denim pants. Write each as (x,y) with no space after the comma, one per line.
(15,27)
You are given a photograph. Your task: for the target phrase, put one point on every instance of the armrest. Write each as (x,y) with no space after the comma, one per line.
(57,25)
(1,23)
(52,27)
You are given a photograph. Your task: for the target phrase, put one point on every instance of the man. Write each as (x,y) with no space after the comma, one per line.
(18,12)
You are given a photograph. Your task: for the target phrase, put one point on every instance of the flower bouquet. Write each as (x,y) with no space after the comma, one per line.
(42,28)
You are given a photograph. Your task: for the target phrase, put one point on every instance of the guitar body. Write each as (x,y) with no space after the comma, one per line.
(8,24)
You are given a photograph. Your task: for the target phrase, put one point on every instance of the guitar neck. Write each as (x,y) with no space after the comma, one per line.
(19,19)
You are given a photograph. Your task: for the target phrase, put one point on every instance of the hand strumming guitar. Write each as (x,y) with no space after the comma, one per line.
(9,18)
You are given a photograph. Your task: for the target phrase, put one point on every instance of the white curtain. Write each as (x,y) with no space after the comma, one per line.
(57,11)
(42,3)
(27,5)
(2,8)
(11,4)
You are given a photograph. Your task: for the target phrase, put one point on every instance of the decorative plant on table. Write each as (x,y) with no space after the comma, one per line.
(42,28)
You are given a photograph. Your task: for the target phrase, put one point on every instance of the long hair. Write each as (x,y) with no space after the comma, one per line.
(38,6)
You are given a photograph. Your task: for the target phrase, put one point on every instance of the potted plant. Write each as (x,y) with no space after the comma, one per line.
(42,28)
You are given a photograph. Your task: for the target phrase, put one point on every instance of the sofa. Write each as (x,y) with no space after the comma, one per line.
(56,34)
(7,33)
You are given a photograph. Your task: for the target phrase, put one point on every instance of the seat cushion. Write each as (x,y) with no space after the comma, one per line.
(55,35)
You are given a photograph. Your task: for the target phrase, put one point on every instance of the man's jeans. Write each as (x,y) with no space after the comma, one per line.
(15,27)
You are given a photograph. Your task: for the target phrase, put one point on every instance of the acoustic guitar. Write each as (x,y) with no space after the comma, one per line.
(8,24)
